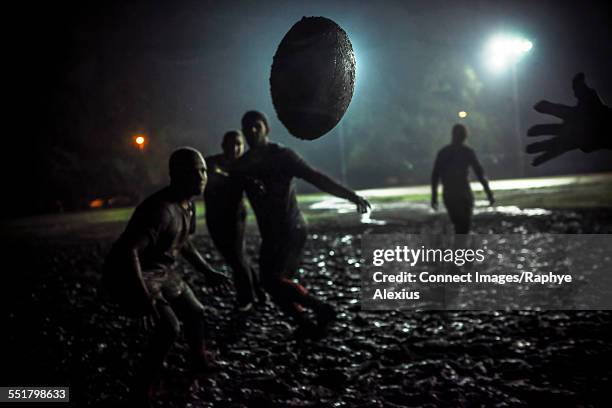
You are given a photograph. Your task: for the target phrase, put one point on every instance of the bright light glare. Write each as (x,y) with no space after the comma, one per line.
(503,51)
(462,114)
(97,203)
(140,141)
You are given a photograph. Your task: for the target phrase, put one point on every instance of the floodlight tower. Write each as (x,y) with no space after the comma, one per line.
(504,51)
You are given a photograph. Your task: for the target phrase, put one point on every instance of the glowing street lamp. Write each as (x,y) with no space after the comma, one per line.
(462,114)
(140,141)
(501,52)
(505,51)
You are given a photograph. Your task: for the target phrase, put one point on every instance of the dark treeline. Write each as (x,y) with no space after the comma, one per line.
(92,77)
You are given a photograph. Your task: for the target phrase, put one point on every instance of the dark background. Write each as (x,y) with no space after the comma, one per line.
(83,79)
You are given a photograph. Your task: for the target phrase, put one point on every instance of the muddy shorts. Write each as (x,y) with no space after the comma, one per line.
(166,284)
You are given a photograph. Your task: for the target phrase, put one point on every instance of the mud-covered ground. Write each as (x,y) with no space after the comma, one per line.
(62,330)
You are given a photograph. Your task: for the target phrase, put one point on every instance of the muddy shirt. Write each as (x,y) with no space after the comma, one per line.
(452,167)
(165,223)
(273,199)
(223,195)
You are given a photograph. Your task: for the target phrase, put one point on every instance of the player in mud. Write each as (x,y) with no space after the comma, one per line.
(586,126)
(140,271)
(281,224)
(226,215)
(452,166)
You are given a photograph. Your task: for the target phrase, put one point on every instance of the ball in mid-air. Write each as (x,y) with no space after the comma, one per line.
(313,77)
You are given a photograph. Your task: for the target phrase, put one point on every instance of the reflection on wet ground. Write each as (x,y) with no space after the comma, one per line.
(415,209)
(481,207)
(62,331)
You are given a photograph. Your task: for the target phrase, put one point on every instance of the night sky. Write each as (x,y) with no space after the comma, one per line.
(84,79)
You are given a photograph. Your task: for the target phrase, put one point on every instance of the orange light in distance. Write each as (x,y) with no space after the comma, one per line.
(140,141)
(97,203)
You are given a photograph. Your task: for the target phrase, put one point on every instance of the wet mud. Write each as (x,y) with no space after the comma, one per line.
(62,330)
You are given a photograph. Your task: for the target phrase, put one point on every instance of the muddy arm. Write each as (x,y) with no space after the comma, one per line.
(435,180)
(214,278)
(330,186)
(479,171)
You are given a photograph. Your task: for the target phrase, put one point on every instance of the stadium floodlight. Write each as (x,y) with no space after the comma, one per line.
(503,51)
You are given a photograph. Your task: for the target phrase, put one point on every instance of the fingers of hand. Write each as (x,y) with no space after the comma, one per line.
(363,205)
(221,289)
(220,284)
(585,95)
(556,109)
(143,323)
(542,146)
(548,129)
(578,80)
(227,284)
(546,157)
(217,285)
(581,90)
(148,322)
(550,149)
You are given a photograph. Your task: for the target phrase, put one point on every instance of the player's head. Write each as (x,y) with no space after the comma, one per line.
(459,134)
(188,171)
(255,128)
(233,144)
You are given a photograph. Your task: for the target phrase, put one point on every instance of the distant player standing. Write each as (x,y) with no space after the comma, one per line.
(452,167)
(226,219)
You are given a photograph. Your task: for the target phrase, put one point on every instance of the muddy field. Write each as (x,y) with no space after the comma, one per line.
(62,330)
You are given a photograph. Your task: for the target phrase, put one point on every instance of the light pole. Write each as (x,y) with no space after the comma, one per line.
(517,124)
(342,158)
(503,51)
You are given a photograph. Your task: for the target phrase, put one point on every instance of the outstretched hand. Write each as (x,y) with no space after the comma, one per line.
(363,205)
(151,316)
(217,282)
(585,126)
